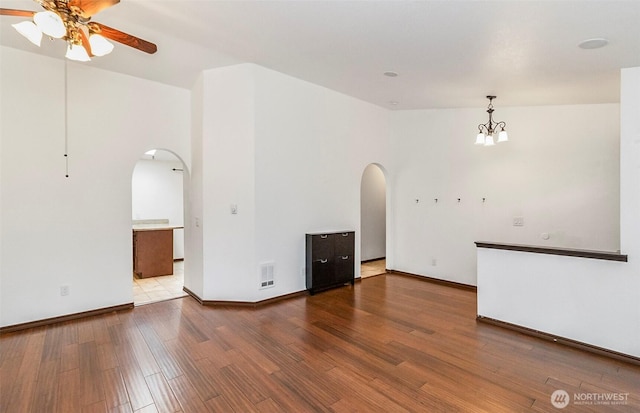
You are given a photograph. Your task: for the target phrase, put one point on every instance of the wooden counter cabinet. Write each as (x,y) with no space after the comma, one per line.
(329,260)
(152,252)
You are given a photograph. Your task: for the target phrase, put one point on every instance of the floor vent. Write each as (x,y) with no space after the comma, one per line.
(267,271)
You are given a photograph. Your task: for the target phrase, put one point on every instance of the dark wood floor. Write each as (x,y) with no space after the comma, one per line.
(390,344)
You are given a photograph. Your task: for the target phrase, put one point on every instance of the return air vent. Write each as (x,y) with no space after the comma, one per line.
(267,271)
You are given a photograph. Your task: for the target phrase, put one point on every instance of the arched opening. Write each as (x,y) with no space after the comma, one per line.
(158,208)
(373,219)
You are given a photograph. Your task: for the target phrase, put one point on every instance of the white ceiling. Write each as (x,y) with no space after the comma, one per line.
(447,53)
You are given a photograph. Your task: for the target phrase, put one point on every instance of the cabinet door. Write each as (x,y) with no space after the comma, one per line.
(344,270)
(323,272)
(344,243)
(323,246)
(153,253)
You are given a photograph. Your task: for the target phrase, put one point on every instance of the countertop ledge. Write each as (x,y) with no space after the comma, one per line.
(569,252)
(155,227)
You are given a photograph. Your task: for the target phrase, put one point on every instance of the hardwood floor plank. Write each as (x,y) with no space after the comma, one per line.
(23,387)
(46,390)
(68,392)
(391,343)
(7,380)
(85,330)
(163,396)
(269,406)
(115,391)
(357,393)
(69,357)
(165,362)
(123,408)
(219,404)
(97,407)
(187,395)
(90,374)
(151,408)
(139,394)
(196,371)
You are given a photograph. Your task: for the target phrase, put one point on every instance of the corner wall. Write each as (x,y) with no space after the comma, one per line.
(290,155)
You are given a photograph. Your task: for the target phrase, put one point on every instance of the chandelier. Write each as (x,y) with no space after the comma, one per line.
(486,131)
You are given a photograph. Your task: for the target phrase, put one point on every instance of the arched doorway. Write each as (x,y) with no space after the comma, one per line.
(373,217)
(157,211)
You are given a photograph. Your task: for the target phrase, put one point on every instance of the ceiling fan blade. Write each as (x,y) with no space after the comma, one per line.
(124,38)
(85,43)
(91,7)
(18,13)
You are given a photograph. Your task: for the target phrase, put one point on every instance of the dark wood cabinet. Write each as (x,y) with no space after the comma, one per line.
(329,260)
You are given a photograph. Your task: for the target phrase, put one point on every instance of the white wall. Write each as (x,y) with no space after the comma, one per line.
(559,171)
(373,213)
(74,231)
(157,193)
(290,154)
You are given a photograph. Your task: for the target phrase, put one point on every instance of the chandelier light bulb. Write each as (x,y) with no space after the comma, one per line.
(489,141)
(99,45)
(502,136)
(480,139)
(77,52)
(29,30)
(50,24)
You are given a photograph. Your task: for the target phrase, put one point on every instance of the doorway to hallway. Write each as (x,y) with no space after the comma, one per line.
(373,218)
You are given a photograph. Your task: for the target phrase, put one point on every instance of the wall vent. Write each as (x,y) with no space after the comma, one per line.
(267,271)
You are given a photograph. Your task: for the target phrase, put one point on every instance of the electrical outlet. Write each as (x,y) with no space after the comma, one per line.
(64,290)
(518,221)
(434,262)
(234,209)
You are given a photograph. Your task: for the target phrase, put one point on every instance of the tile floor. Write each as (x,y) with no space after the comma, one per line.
(371,268)
(153,289)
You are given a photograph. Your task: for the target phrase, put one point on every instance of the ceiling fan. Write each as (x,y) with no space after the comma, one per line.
(70,20)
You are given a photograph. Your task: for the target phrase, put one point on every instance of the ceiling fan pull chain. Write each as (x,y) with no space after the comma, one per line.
(66,117)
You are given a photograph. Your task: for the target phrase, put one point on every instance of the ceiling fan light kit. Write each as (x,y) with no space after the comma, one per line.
(486,131)
(70,20)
